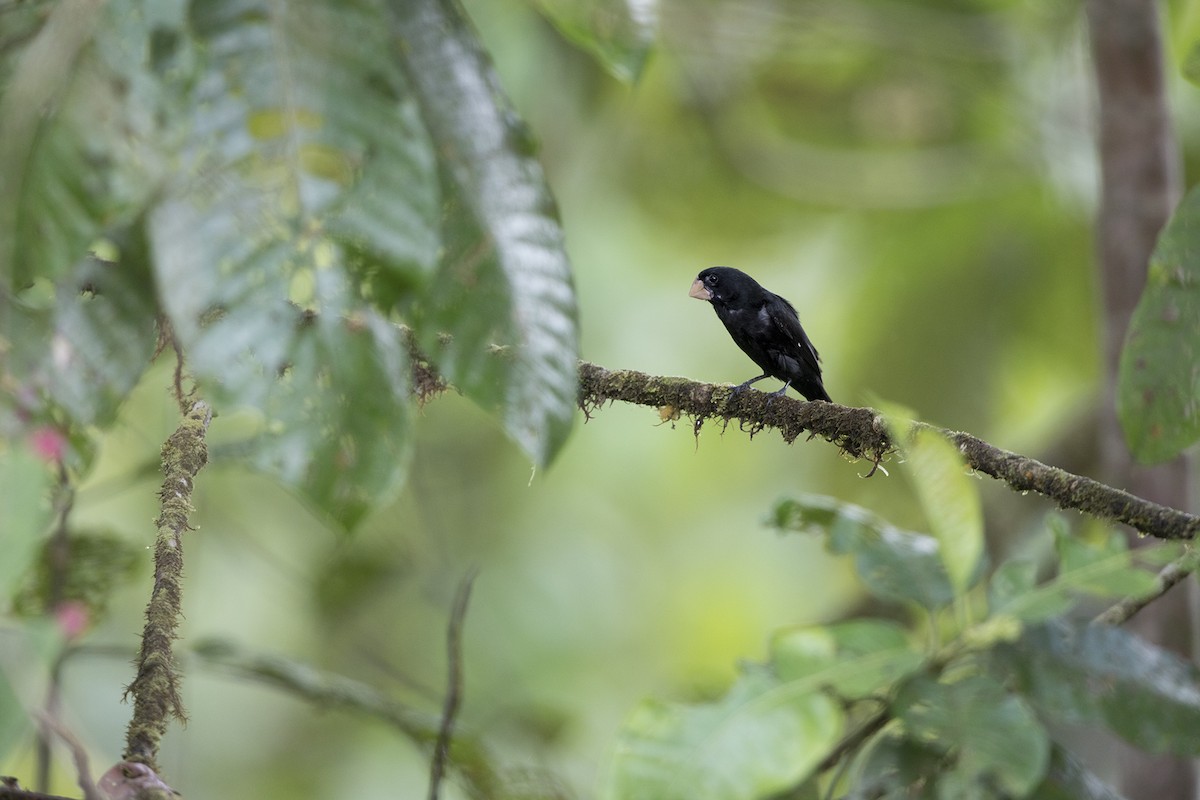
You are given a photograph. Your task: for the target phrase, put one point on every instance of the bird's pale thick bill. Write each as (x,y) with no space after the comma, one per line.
(700,291)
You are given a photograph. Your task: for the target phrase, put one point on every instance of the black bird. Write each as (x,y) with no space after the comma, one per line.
(766,327)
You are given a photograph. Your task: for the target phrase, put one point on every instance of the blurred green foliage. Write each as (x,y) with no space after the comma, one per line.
(917,176)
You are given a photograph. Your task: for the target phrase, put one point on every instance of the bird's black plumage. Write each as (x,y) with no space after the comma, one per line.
(766,327)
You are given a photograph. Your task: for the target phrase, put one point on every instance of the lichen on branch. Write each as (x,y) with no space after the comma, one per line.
(155,689)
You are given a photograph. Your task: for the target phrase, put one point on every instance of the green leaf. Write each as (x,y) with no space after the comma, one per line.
(894,564)
(758,740)
(306,210)
(500,319)
(24,514)
(949,498)
(1068,779)
(852,659)
(1185,35)
(103,338)
(1103,569)
(79,137)
(47,214)
(994,733)
(1092,673)
(894,766)
(619,33)
(1158,378)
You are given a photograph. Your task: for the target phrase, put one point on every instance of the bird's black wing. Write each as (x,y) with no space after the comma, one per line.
(787,324)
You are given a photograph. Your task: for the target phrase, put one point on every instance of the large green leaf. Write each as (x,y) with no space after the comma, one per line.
(993,732)
(852,659)
(894,564)
(1093,673)
(305,209)
(759,739)
(78,134)
(1158,378)
(500,318)
(949,498)
(619,33)
(76,351)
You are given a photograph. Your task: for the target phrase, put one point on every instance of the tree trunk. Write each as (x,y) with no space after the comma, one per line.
(1140,169)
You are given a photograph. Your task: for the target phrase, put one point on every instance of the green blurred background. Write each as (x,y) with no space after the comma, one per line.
(917,177)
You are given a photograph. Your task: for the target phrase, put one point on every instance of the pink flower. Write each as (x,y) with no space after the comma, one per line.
(48,443)
(72,619)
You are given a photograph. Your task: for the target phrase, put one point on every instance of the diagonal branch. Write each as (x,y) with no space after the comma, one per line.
(1167,577)
(861,433)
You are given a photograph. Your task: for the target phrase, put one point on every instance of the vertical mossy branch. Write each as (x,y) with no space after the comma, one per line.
(155,690)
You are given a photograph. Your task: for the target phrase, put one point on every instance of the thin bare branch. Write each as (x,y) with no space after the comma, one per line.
(441,748)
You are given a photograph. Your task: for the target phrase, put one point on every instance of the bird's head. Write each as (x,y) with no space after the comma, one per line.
(721,285)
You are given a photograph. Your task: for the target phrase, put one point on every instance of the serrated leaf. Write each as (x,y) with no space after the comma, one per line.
(993,732)
(894,564)
(500,320)
(758,740)
(949,499)
(1158,379)
(1089,673)
(852,659)
(619,33)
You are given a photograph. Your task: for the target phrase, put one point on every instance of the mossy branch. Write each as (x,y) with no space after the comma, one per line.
(155,689)
(861,433)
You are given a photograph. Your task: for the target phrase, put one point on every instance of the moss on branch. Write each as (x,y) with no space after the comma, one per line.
(861,433)
(155,689)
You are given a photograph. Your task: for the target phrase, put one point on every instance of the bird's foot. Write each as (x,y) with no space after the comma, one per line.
(771,397)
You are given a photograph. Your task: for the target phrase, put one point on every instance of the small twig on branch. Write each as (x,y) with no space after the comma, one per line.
(155,689)
(441,749)
(83,770)
(855,739)
(861,433)
(1124,610)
